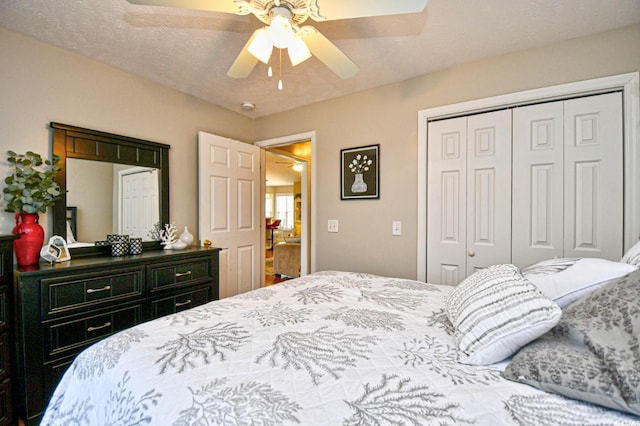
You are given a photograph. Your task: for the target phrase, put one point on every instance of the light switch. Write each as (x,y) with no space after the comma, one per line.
(396,228)
(332,225)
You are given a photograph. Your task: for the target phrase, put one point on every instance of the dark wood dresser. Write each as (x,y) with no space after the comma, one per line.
(6,323)
(61,309)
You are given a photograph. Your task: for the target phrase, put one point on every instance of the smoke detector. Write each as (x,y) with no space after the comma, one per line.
(248,106)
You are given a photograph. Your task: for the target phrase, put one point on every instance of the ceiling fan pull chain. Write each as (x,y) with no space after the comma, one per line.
(280,81)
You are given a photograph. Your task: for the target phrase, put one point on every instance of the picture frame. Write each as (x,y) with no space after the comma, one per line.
(360,173)
(56,250)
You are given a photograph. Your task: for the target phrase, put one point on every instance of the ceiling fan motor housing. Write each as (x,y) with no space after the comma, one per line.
(280,29)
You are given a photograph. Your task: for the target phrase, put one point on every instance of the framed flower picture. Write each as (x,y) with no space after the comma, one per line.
(360,172)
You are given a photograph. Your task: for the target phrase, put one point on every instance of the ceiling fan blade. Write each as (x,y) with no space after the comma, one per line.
(245,62)
(328,10)
(226,6)
(323,49)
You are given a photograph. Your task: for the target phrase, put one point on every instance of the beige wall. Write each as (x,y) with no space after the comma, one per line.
(388,116)
(40,83)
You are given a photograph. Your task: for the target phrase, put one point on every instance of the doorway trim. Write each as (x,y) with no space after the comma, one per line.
(307,243)
(627,83)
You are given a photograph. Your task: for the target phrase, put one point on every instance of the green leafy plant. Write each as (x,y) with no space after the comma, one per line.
(30,184)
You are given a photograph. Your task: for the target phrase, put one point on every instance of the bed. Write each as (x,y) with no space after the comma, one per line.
(327,348)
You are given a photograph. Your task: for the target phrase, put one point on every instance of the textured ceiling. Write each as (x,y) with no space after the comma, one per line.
(191,50)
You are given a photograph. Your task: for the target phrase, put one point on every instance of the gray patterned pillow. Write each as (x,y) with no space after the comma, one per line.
(495,312)
(593,354)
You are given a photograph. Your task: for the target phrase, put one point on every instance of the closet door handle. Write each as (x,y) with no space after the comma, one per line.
(182,274)
(471,253)
(105,325)
(178,304)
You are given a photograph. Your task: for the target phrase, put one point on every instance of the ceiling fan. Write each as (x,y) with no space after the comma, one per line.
(294,165)
(283,31)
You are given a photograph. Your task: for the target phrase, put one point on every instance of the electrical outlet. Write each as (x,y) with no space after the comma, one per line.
(396,228)
(332,225)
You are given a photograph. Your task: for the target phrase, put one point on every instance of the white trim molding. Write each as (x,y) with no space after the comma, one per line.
(629,84)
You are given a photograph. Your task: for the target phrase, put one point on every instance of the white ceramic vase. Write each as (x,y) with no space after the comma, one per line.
(186,237)
(359,185)
(179,245)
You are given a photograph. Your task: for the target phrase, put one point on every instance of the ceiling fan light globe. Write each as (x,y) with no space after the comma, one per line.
(261,46)
(298,51)
(281,31)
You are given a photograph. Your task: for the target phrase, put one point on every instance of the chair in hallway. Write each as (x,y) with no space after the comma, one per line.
(286,259)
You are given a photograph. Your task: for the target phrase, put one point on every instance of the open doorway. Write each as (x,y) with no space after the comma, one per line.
(282,200)
(286,221)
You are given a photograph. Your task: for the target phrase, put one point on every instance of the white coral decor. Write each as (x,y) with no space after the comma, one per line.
(168,236)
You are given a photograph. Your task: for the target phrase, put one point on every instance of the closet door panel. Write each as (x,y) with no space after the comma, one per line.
(538,163)
(446,202)
(488,190)
(593,176)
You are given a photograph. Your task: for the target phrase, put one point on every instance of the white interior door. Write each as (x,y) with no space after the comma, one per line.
(229,209)
(446,201)
(538,183)
(139,203)
(469,195)
(593,176)
(488,190)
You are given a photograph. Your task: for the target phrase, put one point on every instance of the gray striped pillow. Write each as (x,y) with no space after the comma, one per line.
(495,312)
(632,256)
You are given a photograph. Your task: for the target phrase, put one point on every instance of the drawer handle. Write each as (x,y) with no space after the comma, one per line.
(96,290)
(183,303)
(178,274)
(105,325)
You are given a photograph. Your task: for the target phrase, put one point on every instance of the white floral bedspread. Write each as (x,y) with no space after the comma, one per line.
(327,349)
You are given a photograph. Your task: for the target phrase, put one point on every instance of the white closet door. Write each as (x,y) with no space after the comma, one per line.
(446,201)
(469,195)
(593,176)
(538,164)
(488,190)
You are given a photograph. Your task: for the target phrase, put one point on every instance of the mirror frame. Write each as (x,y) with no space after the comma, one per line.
(76,142)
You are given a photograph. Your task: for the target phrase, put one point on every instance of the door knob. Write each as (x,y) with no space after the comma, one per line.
(471,253)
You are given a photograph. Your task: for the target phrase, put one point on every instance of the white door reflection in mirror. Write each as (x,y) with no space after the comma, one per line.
(138,201)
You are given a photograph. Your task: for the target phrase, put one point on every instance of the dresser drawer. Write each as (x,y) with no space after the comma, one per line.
(70,294)
(70,335)
(180,301)
(180,274)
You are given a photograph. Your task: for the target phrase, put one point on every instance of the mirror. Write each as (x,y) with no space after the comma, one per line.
(110,198)
(115,185)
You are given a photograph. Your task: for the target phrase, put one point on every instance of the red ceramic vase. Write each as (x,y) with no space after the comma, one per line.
(28,246)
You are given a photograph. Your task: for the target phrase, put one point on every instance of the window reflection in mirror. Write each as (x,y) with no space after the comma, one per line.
(111,199)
